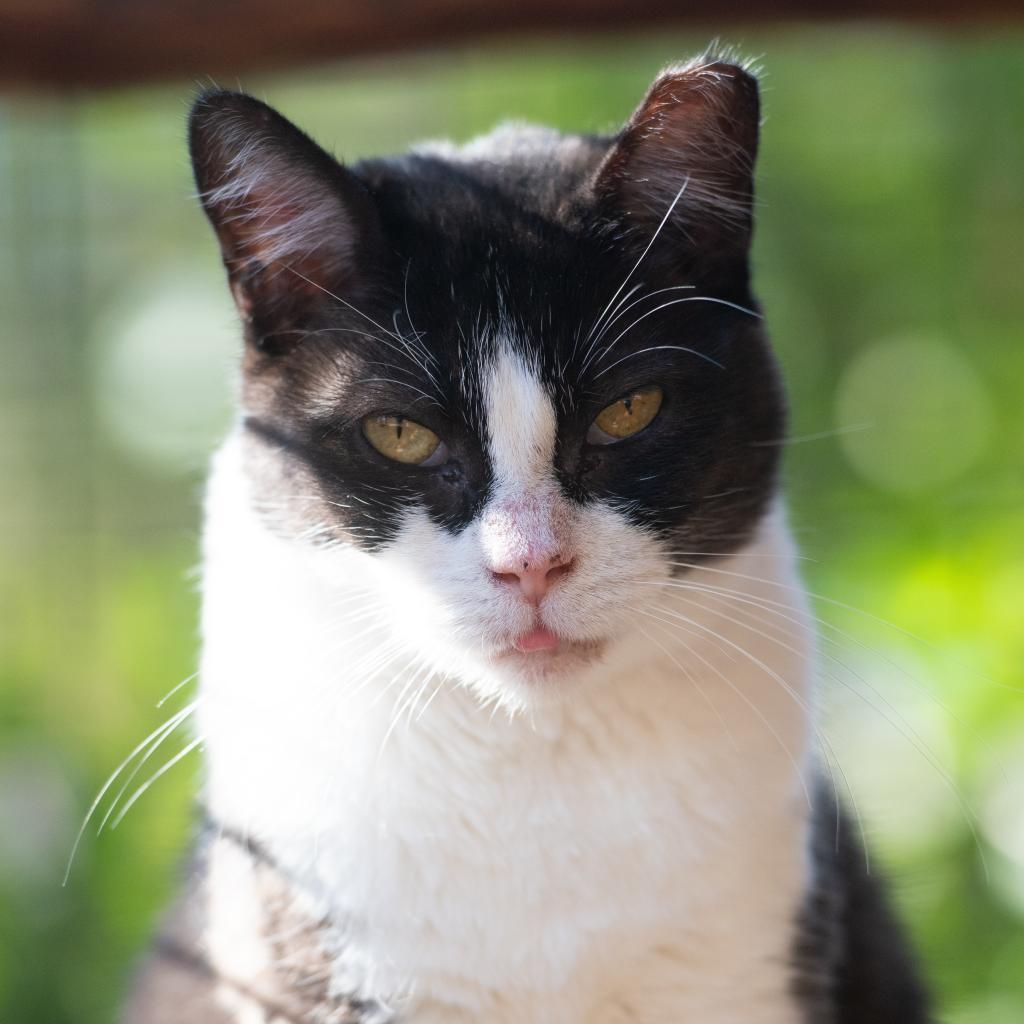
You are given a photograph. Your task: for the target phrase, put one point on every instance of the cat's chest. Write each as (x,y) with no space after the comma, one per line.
(605,936)
(537,888)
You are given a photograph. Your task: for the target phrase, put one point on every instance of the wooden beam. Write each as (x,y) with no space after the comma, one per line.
(66,44)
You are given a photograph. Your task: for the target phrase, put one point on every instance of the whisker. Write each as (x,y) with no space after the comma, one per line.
(913,736)
(804,706)
(620,311)
(623,310)
(143,761)
(691,678)
(665,305)
(660,348)
(753,707)
(783,556)
(900,724)
(398,707)
(770,605)
(818,436)
(437,690)
(181,755)
(643,256)
(404,384)
(800,590)
(338,298)
(170,693)
(187,710)
(632,291)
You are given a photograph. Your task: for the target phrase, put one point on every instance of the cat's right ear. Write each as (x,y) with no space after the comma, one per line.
(684,162)
(296,229)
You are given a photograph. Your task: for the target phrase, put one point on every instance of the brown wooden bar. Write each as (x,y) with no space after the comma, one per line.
(64,44)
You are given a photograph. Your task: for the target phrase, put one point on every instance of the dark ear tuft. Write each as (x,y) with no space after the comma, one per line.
(694,137)
(292,223)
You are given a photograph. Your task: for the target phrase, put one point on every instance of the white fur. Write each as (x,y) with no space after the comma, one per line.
(622,843)
(234,938)
(520,422)
(527,522)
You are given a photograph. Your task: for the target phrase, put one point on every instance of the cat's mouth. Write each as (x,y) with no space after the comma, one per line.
(540,638)
(541,649)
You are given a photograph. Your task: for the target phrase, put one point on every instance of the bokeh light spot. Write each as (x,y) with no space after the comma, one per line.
(162,371)
(926,414)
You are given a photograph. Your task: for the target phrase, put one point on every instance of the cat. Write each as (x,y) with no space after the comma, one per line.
(507,684)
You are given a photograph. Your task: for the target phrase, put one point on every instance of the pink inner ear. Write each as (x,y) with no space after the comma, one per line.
(277,202)
(281,226)
(698,127)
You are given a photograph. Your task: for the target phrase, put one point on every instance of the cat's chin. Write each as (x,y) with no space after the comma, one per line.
(550,664)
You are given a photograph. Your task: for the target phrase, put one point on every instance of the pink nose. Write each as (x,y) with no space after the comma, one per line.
(534,579)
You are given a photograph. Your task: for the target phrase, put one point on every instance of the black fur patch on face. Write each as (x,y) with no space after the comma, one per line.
(383,290)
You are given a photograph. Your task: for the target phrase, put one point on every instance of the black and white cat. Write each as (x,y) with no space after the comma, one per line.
(507,679)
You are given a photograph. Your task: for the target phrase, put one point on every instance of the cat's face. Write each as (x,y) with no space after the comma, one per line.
(517,381)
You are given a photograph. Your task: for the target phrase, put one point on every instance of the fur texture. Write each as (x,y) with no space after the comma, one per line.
(524,732)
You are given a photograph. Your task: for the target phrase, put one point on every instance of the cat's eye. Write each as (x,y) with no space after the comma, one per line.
(400,439)
(627,416)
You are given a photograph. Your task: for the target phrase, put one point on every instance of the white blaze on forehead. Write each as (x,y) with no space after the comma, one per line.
(520,423)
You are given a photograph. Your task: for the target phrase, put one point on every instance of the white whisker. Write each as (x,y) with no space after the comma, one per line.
(643,256)
(153,778)
(184,712)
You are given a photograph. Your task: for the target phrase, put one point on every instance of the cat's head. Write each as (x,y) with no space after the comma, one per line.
(516,379)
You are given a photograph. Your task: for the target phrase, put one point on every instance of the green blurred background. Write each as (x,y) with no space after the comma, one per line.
(889,257)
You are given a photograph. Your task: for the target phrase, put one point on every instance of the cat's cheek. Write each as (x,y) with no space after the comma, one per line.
(444,605)
(617,563)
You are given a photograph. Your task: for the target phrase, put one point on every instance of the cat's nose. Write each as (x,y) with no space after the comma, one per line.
(527,543)
(533,579)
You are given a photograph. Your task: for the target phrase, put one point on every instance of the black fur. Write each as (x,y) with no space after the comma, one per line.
(851,958)
(533,237)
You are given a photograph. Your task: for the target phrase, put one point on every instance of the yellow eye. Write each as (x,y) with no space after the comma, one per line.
(626,417)
(400,439)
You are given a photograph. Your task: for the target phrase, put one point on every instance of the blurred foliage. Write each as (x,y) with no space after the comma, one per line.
(889,261)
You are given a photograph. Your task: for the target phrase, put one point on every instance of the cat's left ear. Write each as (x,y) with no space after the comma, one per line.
(692,142)
(294,225)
